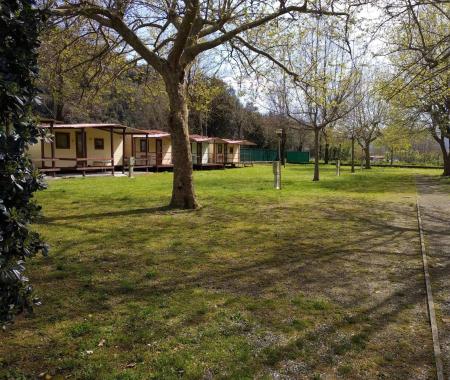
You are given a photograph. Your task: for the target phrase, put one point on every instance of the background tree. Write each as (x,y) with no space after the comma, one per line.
(419,44)
(170,35)
(83,79)
(369,117)
(76,67)
(395,137)
(19,26)
(202,91)
(318,103)
(346,131)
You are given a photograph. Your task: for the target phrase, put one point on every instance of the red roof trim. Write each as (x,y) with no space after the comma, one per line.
(83,126)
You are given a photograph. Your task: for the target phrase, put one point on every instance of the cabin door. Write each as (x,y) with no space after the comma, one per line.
(219,153)
(158,152)
(199,153)
(225,148)
(80,148)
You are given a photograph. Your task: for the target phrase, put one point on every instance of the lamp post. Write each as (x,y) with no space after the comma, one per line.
(277,164)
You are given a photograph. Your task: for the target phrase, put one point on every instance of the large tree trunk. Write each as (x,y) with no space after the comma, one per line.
(367,156)
(392,156)
(316,154)
(183,194)
(353,154)
(446,157)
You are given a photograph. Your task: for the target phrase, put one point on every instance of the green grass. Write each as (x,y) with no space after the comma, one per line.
(318,280)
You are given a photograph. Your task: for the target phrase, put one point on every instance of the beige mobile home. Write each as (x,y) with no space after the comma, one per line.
(150,148)
(201,148)
(228,151)
(80,147)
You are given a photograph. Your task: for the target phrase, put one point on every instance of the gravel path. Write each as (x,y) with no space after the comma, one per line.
(434,199)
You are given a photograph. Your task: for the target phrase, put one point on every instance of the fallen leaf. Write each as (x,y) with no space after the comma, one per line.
(101,343)
(131,365)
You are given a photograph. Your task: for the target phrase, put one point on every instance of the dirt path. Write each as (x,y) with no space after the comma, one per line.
(434,199)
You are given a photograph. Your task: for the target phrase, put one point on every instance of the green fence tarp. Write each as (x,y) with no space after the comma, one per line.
(268,155)
(297,157)
(255,155)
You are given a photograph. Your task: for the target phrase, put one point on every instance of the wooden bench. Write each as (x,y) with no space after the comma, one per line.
(84,169)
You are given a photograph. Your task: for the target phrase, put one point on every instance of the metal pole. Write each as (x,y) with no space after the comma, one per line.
(279,149)
(123,150)
(353,154)
(111,136)
(277,164)
(338,162)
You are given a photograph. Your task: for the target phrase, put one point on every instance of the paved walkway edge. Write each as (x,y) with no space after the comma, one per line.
(430,302)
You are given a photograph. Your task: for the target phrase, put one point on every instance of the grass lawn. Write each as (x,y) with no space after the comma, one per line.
(316,281)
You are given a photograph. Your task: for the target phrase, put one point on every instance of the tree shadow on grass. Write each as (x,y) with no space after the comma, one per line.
(112,214)
(342,271)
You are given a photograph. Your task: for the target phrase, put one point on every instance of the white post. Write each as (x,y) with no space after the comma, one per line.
(131,167)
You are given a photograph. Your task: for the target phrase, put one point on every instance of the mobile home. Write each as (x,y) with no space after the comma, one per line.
(103,147)
(80,147)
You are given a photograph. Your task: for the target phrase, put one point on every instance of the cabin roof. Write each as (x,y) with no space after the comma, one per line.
(84,126)
(199,138)
(151,133)
(128,130)
(141,133)
(231,141)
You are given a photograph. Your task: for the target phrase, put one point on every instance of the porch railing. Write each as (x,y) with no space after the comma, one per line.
(82,164)
(214,158)
(148,160)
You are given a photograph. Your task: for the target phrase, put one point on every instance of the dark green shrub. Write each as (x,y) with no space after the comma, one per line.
(19,26)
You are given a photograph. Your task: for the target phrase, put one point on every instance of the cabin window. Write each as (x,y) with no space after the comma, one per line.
(219,148)
(143,143)
(62,140)
(99,144)
(231,150)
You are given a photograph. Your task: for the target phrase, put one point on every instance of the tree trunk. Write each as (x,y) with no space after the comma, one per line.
(446,157)
(183,194)
(446,166)
(367,156)
(392,156)
(353,154)
(327,153)
(316,154)
(320,147)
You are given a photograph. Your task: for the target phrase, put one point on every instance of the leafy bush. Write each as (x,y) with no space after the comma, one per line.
(19,25)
